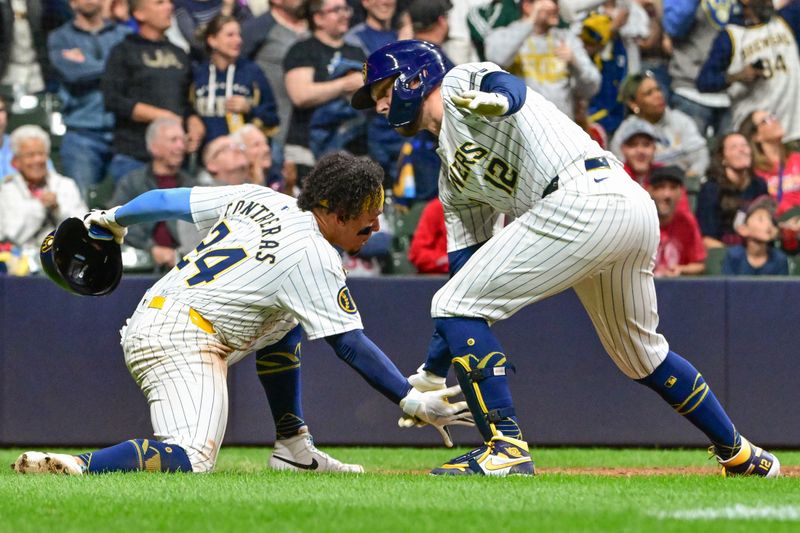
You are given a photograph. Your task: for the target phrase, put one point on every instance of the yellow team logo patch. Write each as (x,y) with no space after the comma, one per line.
(47,244)
(346,301)
(672,380)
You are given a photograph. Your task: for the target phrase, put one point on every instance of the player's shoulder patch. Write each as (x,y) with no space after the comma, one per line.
(346,302)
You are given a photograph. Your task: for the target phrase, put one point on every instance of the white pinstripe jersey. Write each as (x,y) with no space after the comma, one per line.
(500,165)
(263,267)
(773,43)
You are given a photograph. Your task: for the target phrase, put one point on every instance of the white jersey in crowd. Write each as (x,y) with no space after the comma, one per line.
(263,268)
(773,43)
(509,162)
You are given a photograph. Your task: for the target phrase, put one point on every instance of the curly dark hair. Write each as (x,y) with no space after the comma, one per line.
(344,184)
(730,194)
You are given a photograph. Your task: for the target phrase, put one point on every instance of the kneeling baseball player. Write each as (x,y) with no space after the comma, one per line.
(267,268)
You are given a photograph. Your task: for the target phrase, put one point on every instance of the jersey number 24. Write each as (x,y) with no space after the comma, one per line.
(214,262)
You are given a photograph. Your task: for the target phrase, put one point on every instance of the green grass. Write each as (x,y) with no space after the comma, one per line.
(243,496)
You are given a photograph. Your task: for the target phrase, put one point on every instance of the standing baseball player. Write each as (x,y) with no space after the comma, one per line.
(579,222)
(267,267)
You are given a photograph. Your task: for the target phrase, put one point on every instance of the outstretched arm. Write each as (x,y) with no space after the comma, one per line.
(358,351)
(156,205)
(422,407)
(152,206)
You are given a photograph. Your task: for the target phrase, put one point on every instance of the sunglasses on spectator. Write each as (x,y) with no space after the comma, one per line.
(767,119)
(346,9)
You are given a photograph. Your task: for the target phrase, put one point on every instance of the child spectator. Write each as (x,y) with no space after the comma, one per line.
(757,257)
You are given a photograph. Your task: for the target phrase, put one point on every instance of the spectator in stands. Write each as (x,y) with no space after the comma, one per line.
(147,78)
(692,26)
(779,167)
(429,20)
(34,200)
(225,163)
(600,36)
(192,15)
(5,142)
(458,45)
(638,140)
(322,72)
(762,71)
(259,157)
(383,142)
(23,46)
(119,11)
(484,17)
(267,39)
(230,91)
(680,251)
(551,60)
(731,185)
(656,48)
(417,175)
(773,162)
(78,52)
(165,138)
(428,251)
(225,160)
(683,144)
(757,257)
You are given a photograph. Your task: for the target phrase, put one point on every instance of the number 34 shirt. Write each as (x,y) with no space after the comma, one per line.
(263,268)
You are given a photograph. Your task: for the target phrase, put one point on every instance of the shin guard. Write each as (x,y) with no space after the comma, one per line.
(485,387)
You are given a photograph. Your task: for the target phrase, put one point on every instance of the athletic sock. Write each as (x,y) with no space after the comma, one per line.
(472,343)
(137,454)
(278,368)
(683,387)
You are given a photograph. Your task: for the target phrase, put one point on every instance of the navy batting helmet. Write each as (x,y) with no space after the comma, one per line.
(78,263)
(410,61)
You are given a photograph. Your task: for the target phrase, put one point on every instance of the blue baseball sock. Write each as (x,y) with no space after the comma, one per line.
(278,368)
(137,454)
(439,359)
(482,362)
(684,388)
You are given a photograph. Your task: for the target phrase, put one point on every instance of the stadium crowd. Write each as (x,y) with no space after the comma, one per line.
(101,100)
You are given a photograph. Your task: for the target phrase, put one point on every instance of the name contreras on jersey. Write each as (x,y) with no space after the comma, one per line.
(265,218)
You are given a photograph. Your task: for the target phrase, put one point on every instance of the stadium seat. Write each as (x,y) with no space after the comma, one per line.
(714,261)
(403,227)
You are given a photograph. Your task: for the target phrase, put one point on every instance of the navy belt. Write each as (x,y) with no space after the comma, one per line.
(590,164)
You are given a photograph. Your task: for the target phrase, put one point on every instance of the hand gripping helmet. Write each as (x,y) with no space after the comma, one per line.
(411,61)
(78,263)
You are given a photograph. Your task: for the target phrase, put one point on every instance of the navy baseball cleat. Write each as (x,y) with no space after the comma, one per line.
(502,456)
(750,460)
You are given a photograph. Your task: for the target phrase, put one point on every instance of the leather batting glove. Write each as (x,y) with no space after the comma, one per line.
(432,408)
(425,381)
(481,103)
(102,225)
